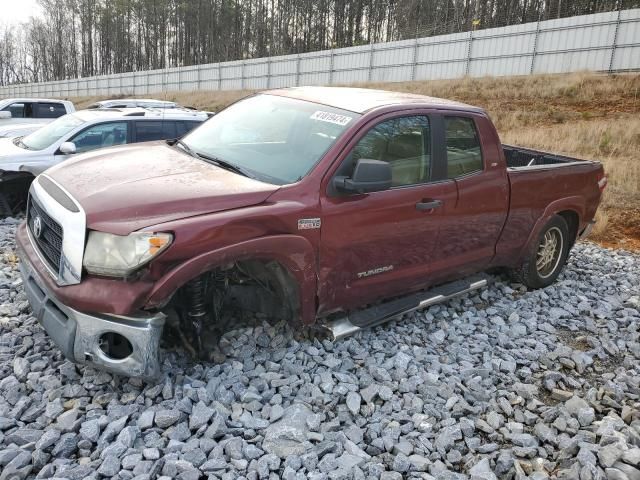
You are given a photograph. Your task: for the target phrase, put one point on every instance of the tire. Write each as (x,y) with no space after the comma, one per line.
(14,192)
(546,257)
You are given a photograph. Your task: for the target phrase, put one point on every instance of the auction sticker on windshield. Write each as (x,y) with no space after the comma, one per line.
(331,117)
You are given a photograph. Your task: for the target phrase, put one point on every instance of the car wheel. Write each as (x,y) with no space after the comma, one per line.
(546,257)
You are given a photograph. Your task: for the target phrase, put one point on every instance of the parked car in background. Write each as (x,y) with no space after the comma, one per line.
(139,102)
(335,206)
(29,114)
(23,157)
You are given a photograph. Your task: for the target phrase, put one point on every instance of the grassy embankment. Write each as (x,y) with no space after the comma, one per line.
(584,115)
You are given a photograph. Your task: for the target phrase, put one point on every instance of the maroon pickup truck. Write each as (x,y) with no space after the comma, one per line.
(335,206)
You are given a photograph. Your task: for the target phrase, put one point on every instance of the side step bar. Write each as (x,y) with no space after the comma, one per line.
(377,314)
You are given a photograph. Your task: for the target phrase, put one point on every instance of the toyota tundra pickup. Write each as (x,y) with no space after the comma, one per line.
(337,207)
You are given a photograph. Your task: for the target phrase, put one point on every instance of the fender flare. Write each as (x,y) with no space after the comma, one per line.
(295,253)
(574,203)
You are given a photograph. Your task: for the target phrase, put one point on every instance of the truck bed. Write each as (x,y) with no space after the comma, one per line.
(519,158)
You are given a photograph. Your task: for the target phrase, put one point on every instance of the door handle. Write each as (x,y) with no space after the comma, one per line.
(428,205)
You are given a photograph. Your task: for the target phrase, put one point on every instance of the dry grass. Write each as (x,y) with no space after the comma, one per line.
(585,115)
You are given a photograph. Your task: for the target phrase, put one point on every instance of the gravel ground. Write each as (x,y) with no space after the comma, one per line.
(501,384)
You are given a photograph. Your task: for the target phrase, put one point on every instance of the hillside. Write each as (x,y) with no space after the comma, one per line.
(585,115)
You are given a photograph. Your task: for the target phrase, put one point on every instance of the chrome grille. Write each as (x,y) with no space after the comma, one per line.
(49,239)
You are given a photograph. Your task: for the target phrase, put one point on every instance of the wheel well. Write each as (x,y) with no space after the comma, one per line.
(257,285)
(573,222)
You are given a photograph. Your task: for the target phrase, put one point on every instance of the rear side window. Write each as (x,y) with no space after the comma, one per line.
(182,128)
(49,110)
(464,155)
(148,131)
(404,144)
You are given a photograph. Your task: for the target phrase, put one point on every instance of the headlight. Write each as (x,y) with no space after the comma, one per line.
(118,256)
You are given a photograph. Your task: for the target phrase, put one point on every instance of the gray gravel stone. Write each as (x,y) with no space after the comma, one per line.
(166,418)
(200,415)
(502,383)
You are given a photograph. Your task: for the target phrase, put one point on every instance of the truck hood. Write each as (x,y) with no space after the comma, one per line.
(123,189)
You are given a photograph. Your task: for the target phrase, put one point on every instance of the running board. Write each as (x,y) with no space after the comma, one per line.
(377,314)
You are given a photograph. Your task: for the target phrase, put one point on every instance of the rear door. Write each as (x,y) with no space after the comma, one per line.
(470,230)
(381,244)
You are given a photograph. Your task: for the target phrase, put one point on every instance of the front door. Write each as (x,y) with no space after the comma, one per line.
(381,244)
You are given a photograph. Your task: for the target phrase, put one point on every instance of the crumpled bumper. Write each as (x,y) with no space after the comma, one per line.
(88,339)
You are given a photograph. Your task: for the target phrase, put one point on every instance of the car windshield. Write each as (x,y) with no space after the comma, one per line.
(51,133)
(274,139)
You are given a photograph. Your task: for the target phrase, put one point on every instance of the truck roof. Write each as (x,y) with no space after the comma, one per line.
(360,100)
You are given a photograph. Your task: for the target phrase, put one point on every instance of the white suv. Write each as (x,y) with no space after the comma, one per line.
(21,158)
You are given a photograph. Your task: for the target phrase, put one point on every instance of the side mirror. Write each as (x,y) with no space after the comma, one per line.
(5,114)
(68,148)
(368,176)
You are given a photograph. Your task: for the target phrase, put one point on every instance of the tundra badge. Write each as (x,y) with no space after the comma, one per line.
(375,271)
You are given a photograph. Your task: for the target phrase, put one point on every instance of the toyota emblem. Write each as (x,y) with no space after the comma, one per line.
(37,226)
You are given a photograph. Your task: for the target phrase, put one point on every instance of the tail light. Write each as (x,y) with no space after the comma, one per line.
(602,181)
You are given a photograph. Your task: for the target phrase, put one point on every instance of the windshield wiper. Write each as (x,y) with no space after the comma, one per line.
(215,160)
(226,165)
(19,143)
(186,148)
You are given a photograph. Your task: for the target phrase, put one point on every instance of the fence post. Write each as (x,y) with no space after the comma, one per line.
(269,71)
(198,69)
(615,41)
(219,76)
(370,73)
(466,72)
(331,68)
(414,66)
(535,48)
(298,71)
(242,76)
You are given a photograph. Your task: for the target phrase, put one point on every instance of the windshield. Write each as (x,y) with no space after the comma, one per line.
(51,133)
(275,139)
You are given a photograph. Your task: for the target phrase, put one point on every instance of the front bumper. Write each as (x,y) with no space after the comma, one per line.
(81,337)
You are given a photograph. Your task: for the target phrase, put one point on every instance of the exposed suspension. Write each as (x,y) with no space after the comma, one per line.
(195,292)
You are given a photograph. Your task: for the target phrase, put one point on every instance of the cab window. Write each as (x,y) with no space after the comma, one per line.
(20,110)
(100,136)
(464,155)
(402,142)
(49,110)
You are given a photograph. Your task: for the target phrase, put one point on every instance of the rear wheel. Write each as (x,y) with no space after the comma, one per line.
(546,257)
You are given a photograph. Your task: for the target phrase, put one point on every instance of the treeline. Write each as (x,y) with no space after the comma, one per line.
(79,38)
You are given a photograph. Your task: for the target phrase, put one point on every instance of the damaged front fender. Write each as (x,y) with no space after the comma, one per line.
(294,253)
